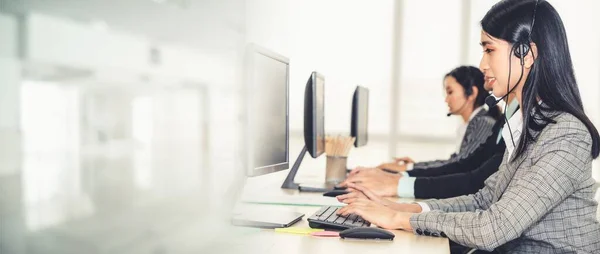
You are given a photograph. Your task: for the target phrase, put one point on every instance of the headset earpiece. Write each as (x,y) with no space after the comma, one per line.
(521,50)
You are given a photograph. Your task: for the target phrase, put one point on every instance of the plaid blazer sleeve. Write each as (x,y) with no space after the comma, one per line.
(559,161)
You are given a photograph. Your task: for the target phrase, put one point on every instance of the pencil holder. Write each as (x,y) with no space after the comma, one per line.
(335,170)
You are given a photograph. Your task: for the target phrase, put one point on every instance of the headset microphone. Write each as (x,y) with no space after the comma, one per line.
(492,101)
(456,111)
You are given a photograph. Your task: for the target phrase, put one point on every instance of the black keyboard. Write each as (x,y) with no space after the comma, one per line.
(327,218)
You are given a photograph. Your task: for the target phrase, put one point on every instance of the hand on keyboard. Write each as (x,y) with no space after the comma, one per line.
(377,214)
(357,192)
(378,181)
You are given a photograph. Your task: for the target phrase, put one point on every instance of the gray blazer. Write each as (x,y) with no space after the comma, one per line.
(476,134)
(541,203)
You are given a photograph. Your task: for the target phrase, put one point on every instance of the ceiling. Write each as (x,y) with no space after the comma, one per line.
(207,24)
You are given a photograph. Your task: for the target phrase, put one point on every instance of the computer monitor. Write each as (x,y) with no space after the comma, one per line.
(360,116)
(267,80)
(314,125)
(314,115)
(267,130)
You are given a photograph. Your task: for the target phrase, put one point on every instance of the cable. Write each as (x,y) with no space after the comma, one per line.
(508,90)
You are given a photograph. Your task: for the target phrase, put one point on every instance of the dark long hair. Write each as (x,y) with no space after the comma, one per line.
(551,78)
(469,77)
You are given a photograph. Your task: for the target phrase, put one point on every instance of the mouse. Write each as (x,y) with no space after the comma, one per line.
(367,233)
(335,193)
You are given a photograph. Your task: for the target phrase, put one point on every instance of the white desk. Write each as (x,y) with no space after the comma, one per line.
(269,241)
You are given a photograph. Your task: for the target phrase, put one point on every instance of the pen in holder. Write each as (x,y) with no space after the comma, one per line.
(337,149)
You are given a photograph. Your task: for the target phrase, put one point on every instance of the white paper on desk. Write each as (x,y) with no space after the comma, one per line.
(292,200)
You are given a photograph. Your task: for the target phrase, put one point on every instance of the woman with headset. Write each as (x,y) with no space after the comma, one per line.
(541,200)
(465,97)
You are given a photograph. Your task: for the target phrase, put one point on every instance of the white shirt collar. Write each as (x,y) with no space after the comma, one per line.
(516,124)
(511,108)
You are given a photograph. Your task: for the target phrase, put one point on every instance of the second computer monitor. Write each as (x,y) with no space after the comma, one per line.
(360,116)
(314,115)
(267,75)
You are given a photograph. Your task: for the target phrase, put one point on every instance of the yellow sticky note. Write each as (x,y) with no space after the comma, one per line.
(297,230)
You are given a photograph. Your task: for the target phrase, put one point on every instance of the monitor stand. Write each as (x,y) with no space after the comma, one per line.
(289,183)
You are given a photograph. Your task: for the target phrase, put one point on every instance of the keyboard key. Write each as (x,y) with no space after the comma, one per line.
(327,214)
(340,220)
(356,224)
(352,217)
(322,210)
(331,219)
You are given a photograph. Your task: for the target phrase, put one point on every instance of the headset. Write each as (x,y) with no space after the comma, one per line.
(520,50)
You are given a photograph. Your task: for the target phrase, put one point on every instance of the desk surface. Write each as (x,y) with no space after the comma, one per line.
(268,241)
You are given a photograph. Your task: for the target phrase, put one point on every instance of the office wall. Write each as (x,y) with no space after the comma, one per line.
(356,47)
(8,37)
(194,101)
(430,48)
(349,42)
(58,40)
(10,72)
(11,241)
(163,128)
(125,61)
(62,41)
(10,77)
(9,101)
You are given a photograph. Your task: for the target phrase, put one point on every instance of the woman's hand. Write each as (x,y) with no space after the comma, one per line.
(379,182)
(358,192)
(392,166)
(378,214)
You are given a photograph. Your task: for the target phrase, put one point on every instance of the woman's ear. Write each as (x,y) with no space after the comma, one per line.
(474,93)
(531,56)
